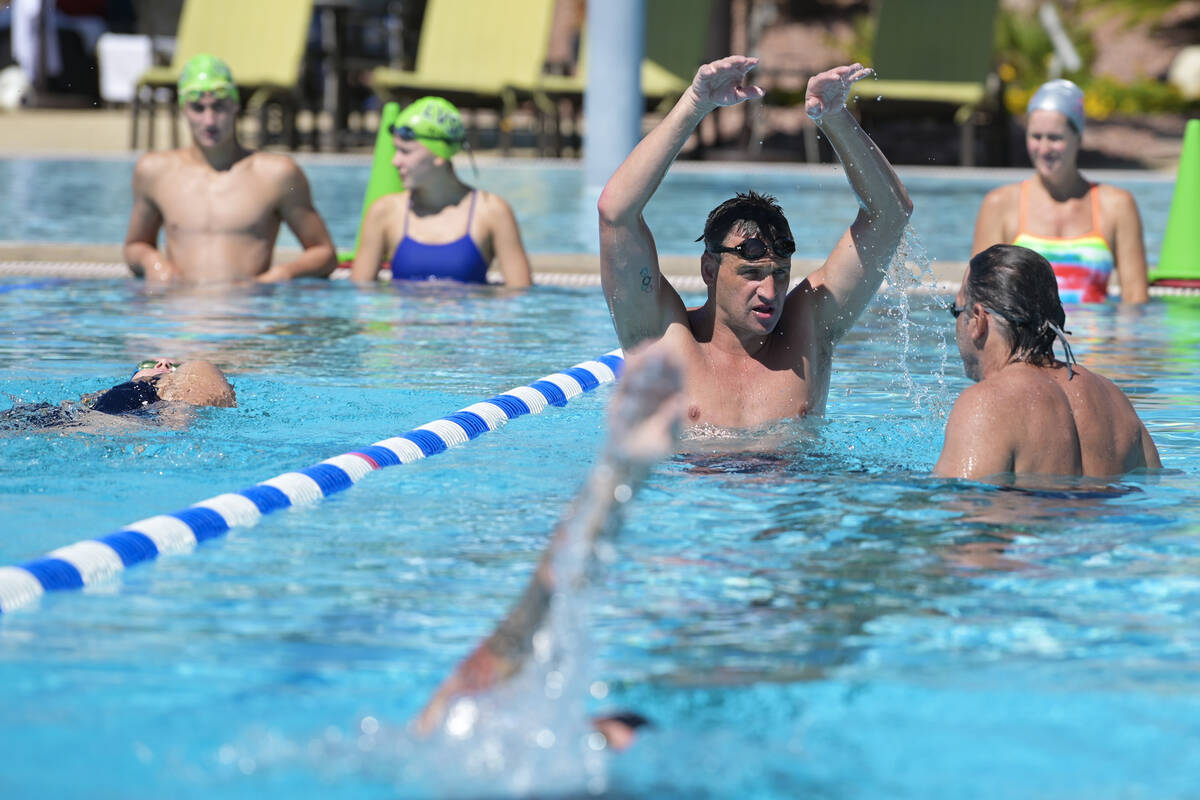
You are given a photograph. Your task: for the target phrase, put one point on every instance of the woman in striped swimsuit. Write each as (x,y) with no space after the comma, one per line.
(1085,230)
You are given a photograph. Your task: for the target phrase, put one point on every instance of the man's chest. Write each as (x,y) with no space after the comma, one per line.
(216,204)
(747,393)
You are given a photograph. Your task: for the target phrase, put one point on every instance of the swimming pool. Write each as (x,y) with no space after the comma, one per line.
(55,200)
(822,620)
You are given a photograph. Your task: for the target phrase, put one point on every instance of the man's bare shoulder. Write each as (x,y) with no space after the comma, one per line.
(1008,393)
(277,166)
(1084,383)
(157,162)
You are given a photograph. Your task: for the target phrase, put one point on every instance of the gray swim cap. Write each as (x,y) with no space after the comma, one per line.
(1062,96)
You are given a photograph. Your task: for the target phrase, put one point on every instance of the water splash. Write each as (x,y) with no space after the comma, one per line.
(922,383)
(530,736)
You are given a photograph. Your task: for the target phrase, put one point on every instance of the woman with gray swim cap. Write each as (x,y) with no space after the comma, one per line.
(1084,229)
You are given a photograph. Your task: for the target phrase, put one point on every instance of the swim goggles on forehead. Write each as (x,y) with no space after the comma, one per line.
(754,248)
(407,134)
(219,92)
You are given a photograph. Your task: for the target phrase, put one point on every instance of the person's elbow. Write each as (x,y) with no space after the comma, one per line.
(893,215)
(132,253)
(324,256)
(613,210)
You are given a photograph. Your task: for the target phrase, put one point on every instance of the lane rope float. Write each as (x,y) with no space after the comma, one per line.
(96,560)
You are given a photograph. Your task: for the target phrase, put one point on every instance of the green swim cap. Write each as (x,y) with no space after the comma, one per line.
(206,73)
(435,123)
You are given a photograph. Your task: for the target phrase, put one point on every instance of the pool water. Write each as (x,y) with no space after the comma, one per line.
(812,616)
(51,200)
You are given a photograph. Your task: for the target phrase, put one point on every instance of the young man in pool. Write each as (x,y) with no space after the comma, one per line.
(1029,413)
(754,352)
(220,203)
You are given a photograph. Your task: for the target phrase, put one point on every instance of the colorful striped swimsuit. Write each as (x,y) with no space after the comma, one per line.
(1082,264)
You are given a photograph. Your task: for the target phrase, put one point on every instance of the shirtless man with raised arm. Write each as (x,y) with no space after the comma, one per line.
(1028,413)
(753,353)
(220,203)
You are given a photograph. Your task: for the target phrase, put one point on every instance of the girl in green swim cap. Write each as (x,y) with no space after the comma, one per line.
(438,227)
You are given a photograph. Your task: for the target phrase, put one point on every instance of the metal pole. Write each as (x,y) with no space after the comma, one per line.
(612,101)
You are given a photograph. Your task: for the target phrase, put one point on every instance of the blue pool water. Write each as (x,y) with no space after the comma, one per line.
(89,201)
(830,621)
(804,613)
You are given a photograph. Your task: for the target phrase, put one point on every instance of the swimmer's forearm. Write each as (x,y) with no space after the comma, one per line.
(145,261)
(871,176)
(317,262)
(595,510)
(637,179)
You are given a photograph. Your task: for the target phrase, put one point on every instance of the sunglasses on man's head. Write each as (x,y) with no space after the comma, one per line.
(753,249)
(406,134)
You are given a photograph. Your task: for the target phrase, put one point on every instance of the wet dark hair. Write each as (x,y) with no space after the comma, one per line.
(756,213)
(1018,285)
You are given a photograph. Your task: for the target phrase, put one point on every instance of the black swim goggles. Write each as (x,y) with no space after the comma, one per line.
(407,134)
(754,249)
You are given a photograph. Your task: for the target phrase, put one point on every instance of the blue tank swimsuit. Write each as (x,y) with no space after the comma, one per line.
(459,260)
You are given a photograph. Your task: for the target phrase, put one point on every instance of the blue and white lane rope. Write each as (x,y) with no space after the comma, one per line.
(95,560)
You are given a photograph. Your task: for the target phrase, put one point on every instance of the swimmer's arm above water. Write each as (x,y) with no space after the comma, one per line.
(318,258)
(145,221)
(852,273)
(644,422)
(641,302)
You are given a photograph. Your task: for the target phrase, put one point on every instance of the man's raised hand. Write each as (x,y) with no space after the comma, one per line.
(827,91)
(720,82)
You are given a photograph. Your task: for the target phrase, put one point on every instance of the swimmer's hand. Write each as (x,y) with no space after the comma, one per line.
(827,91)
(646,413)
(720,83)
(273,275)
(155,270)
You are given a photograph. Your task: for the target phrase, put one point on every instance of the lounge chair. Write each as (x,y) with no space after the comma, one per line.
(676,45)
(263,43)
(935,55)
(472,53)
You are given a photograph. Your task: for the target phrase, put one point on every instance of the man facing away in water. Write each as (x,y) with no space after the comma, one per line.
(220,203)
(754,352)
(1029,413)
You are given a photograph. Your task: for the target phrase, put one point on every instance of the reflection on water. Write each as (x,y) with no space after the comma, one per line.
(801,609)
